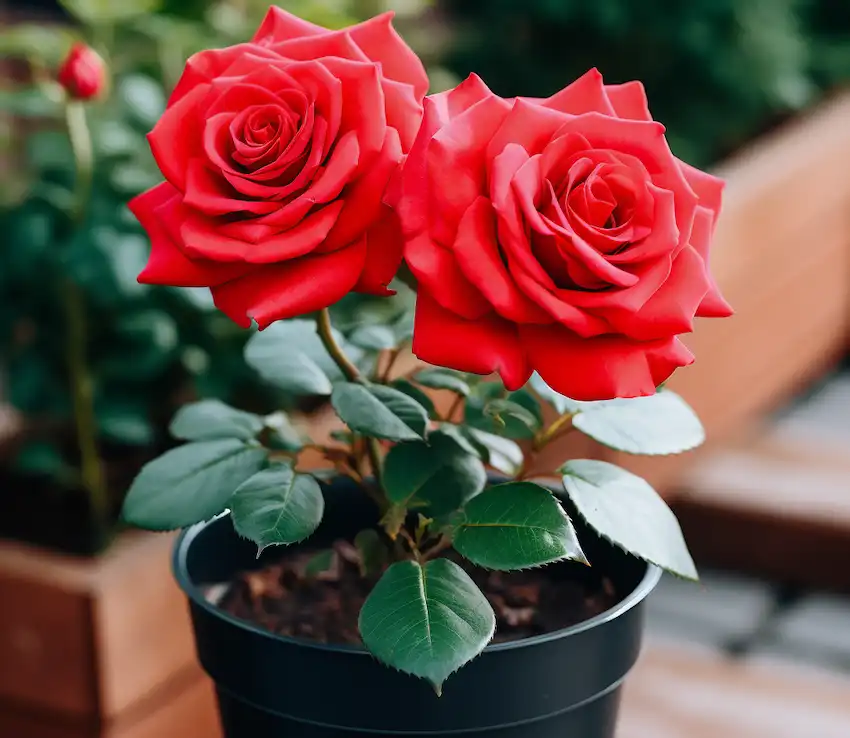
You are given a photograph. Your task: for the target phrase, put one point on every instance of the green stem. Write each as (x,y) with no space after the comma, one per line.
(347,367)
(82,391)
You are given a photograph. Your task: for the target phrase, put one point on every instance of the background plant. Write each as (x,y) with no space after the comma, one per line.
(144,349)
(426,472)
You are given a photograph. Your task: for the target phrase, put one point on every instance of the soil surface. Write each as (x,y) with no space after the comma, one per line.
(290,598)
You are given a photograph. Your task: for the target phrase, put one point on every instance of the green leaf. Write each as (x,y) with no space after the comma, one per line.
(442,379)
(501,409)
(208,419)
(660,424)
(515,416)
(282,434)
(278,356)
(515,526)
(126,423)
(277,506)
(372,550)
(412,391)
(320,563)
(189,484)
(558,401)
(426,620)
(502,454)
(143,97)
(373,337)
(440,475)
(625,510)
(380,412)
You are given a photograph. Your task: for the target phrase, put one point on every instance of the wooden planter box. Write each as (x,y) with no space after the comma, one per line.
(98,647)
(782,258)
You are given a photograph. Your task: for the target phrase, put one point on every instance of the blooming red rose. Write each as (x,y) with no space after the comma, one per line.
(276,154)
(83,73)
(556,235)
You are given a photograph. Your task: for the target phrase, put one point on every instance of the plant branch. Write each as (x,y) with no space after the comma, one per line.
(458,401)
(351,372)
(82,391)
(346,366)
(562,425)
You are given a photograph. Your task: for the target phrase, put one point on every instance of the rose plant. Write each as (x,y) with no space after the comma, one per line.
(555,243)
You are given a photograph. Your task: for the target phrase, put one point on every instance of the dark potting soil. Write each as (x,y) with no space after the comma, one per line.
(285,598)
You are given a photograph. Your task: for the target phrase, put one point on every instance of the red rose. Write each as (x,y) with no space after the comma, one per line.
(276,154)
(556,235)
(83,73)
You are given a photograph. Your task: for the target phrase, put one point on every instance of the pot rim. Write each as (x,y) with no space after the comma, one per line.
(195,594)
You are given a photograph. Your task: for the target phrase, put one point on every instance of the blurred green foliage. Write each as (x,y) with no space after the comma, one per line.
(717,72)
(150,348)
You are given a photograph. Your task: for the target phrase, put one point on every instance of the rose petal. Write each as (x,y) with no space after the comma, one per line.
(363,197)
(436,270)
(477,252)
(404,111)
(203,67)
(361,91)
(671,309)
(206,238)
(209,192)
(601,368)
(585,95)
(280,25)
(457,167)
(339,44)
(709,188)
(629,100)
(713,304)
(410,198)
(528,124)
(291,289)
(168,264)
(174,139)
(384,249)
(380,42)
(489,344)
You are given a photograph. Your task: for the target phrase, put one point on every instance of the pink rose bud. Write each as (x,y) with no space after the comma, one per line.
(83,73)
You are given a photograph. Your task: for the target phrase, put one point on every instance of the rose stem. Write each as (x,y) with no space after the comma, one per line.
(80,379)
(347,367)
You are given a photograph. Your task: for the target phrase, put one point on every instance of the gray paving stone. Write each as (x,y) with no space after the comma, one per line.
(820,418)
(815,631)
(721,609)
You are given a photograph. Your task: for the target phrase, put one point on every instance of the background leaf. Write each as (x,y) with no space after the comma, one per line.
(426,621)
(515,526)
(278,355)
(625,510)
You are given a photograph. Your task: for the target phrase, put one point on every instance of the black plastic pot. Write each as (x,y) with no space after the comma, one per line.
(561,685)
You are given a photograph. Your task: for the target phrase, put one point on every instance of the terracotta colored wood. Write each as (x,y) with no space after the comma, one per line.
(90,637)
(685,692)
(185,709)
(781,256)
(773,507)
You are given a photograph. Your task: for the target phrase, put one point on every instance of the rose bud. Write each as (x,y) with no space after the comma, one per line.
(83,73)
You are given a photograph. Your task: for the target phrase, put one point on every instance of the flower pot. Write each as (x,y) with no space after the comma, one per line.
(566,683)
